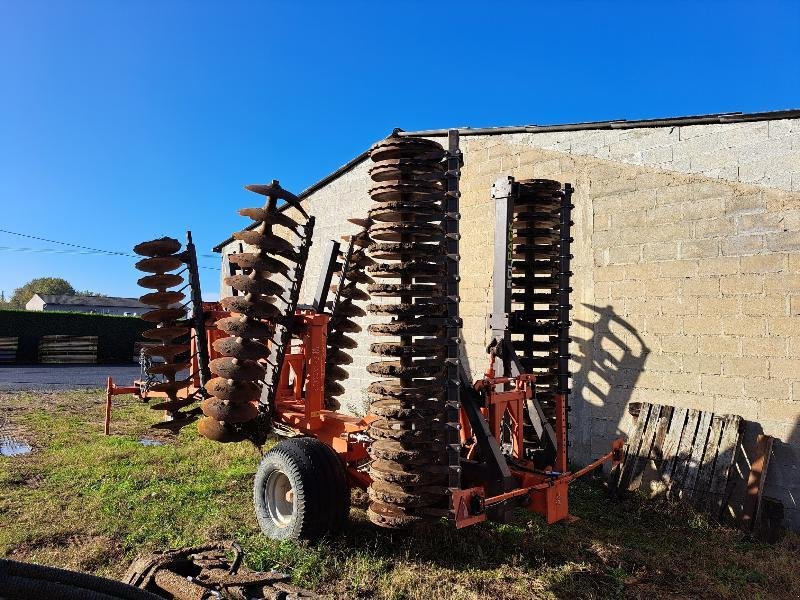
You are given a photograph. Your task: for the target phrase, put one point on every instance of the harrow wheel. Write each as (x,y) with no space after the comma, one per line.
(301,491)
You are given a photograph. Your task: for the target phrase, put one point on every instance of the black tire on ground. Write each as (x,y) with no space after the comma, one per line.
(301,491)
(24,581)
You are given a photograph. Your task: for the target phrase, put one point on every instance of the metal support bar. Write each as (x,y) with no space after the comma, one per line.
(452,329)
(198,317)
(329,257)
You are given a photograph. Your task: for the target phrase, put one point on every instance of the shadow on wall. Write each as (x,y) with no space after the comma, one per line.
(614,357)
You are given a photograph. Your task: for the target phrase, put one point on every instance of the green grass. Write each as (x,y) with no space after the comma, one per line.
(90,502)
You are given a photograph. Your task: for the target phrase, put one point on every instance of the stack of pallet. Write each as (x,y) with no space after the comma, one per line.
(8,349)
(68,349)
(684,453)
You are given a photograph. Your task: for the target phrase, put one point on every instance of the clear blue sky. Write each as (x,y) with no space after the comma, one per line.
(123,121)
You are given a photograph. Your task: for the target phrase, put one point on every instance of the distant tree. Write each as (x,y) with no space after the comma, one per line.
(92,294)
(40,285)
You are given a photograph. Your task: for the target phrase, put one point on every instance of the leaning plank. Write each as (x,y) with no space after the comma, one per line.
(705,474)
(726,453)
(650,480)
(698,449)
(684,452)
(755,481)
(634,444)
(671,443)
(648,437)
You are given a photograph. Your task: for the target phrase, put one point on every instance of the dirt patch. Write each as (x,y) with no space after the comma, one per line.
(73,550)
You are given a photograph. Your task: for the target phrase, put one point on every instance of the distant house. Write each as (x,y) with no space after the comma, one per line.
(103,305)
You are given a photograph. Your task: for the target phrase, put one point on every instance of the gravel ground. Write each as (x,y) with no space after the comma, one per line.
(64,377)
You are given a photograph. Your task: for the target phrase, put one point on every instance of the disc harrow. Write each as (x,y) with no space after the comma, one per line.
(171,330)
(262,299)
(539,320)
(409,468)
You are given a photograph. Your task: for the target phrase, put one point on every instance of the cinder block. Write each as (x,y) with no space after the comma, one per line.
(660,251)
(740,245)
(719,385)
(698,363)
(701,286)
(756,367)
(718,345)
(746,326)
(700,249)
(764,346)
(703,325)
(741,284)
(766,263)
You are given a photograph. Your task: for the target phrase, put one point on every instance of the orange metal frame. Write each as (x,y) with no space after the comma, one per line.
(300,405)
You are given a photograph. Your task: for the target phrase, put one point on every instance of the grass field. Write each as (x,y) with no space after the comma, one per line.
(90,502)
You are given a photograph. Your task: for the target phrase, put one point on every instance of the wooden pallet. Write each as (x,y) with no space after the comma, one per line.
(8,349)
(68,349)
(683,453)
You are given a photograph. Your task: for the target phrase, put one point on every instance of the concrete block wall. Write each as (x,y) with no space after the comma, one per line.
(686,285)
(686,294)
(760,152)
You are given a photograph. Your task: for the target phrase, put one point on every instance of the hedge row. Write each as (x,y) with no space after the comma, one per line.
(116,335)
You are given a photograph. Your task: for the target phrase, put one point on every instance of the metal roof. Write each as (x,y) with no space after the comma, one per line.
(712,119)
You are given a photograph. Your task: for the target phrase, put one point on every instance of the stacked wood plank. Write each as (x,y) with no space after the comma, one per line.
(684,453)
(68,349)
(8,349)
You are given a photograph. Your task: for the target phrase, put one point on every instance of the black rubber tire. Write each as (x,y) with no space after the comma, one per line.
(319,482)
(24,581)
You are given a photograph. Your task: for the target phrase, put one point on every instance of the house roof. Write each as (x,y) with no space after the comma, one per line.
(712,119)
(93,301)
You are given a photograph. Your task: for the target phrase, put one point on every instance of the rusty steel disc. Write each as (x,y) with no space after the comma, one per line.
(166,334)
(160,281)
(259,261)
(393,212)
(231,390)
(274,190)
(267,241)
(396,368)
(216,431)
(159,264)
(252,285)
(419,191)
(227,412)
(239,369)
(162,299)
(262,215)
(163,315)
(390,517)
(408,309)
(407,496)
(252,306)
(351,291)
(410,268)
(407,147)
(417,290)
(404,168)
(405,231)
(339,340)
(245,327)
(161,247)
(241,348)
(419,347)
